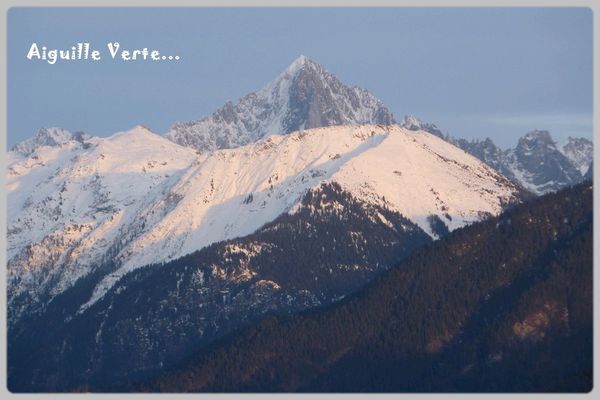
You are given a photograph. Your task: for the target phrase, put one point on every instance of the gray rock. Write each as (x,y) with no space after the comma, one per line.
(304,96)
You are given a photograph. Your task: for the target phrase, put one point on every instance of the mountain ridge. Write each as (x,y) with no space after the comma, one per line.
(183,201)
(304,96)
(537,162)
(449,318)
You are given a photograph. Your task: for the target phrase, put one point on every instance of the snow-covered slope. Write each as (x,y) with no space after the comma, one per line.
(303,96)
(48,137)
(74,204)
(537,163)
(136,198)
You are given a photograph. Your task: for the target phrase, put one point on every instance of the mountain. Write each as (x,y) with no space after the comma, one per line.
(135,198)
(78,205)
(504,305)
(304,96)
(413,123)
(580,152)
(537,163)
(87,216)
(487,151)
(329,247)
(55,137)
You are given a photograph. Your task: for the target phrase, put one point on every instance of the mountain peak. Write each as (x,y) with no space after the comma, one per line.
(49,137)
(577,141)
(580,151)
(411,122)
(547,168)
(414,123)
(302,59)
(537,139)
(138,133)
(303,62)
(142,129)
(305,95)
(542,136)
(301,69)
(299,63)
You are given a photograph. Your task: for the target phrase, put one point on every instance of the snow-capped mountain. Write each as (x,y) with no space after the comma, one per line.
(281,225)
(110,205)
(332,245)
(303,96)
(48,137)
(485,150)
(537,163)
(580,151)
(75,204)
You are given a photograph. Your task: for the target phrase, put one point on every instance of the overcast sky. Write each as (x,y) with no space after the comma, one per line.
(474,72)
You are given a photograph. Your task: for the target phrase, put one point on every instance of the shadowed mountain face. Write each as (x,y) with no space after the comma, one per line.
(503,305)
(330,247)
(540,164)
(303,96)
(580,152)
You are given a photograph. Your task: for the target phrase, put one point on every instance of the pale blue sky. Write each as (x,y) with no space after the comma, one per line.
(475,72)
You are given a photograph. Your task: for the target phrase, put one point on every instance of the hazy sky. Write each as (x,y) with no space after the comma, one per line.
(474,72)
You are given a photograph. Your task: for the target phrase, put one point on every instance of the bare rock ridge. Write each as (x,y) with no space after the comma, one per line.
(304,96)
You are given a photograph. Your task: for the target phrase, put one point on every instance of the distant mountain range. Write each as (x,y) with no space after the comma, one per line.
(537,163)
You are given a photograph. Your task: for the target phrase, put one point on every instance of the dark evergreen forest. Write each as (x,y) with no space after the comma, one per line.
(502,305)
